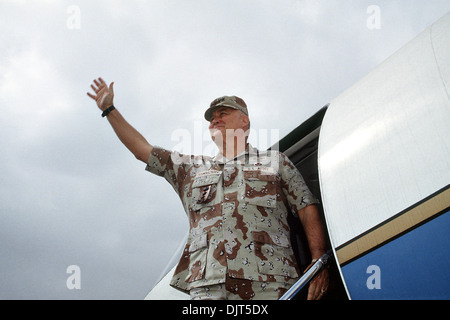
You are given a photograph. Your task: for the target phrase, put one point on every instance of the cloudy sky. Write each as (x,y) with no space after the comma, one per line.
(71,194)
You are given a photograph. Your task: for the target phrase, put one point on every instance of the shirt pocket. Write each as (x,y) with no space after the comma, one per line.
(204,191)
(260,187)
(198,248)
(274,255)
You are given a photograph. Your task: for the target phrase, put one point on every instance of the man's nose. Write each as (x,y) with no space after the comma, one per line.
(215,121)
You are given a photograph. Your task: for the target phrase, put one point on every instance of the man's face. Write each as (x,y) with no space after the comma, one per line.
(227,120)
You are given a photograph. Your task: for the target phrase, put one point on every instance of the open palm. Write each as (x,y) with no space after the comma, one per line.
(104,95)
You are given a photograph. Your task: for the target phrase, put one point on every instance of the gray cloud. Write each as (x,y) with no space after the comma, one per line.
(70,193)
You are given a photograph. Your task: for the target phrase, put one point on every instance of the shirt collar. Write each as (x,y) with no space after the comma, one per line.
(250,150)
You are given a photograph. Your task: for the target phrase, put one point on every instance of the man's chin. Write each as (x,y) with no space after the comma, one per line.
(216,134)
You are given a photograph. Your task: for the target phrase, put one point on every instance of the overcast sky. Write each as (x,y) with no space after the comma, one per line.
(71,194)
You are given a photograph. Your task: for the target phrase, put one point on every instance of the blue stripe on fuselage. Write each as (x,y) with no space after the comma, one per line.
(413,266)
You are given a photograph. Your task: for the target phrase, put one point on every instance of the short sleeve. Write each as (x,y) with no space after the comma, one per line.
(294,186)
(168,164)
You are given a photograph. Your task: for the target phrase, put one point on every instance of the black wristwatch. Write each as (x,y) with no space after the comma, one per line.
(107,111)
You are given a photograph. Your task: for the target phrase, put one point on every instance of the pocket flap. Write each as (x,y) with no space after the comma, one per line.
(280,240)
(198,242)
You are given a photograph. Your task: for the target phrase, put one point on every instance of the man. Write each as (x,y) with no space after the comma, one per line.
(237,204)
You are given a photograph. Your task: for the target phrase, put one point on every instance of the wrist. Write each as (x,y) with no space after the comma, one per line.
(317,255)
(107,111)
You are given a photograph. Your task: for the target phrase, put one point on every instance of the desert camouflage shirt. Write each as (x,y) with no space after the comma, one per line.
(237,211)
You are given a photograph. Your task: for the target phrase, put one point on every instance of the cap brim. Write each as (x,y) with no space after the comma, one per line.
(210,111)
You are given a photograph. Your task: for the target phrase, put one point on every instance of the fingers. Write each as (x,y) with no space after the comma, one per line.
(319,286)
(314,291)
(96,90)
(99,85)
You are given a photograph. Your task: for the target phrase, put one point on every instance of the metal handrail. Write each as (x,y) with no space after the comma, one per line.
(307,276)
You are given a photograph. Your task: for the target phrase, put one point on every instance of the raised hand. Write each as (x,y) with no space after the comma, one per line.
(104,95)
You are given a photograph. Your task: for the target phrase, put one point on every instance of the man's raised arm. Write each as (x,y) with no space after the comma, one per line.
(129,136)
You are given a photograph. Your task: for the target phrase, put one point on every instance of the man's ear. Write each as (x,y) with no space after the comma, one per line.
(245,119)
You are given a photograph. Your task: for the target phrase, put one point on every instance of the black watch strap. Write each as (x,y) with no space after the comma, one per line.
(107,111)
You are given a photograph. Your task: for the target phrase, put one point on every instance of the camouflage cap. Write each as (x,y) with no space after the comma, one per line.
(226,101)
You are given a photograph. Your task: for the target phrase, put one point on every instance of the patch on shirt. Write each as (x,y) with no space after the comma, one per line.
(208,172)
(262,170)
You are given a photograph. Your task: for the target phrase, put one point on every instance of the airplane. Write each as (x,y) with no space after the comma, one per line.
(378,158)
